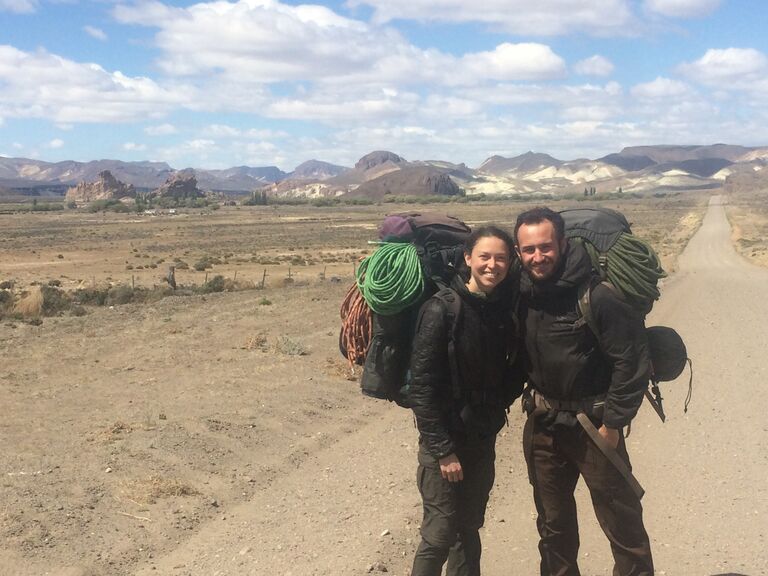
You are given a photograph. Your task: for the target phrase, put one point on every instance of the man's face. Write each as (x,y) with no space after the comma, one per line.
(539,249)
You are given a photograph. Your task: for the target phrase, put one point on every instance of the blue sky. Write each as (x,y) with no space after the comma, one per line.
(264,82)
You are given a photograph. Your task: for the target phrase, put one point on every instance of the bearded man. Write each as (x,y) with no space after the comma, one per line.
(579,377)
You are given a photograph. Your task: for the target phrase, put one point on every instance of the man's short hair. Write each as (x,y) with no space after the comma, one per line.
(537,216)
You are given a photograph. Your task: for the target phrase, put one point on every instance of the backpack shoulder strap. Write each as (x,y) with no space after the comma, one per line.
(452,303)
(584,296)
(585,303)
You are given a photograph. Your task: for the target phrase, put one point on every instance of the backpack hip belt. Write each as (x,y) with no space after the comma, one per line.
(592,405)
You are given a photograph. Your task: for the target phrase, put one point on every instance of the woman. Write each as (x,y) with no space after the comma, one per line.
(459,400)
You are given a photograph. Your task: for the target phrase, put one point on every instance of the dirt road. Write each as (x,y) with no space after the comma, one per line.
(266,463)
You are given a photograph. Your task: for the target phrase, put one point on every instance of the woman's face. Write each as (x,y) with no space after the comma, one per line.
(488,264)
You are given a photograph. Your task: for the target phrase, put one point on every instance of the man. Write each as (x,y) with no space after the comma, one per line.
(579,378)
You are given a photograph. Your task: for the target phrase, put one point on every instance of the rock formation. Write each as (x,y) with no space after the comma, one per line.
(107,187)
(180,185)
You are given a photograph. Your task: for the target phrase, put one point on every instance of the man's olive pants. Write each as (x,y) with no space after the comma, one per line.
(556,457)
(454,511)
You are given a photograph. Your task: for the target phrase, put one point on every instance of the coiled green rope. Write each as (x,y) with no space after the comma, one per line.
(390,279)
(632,266)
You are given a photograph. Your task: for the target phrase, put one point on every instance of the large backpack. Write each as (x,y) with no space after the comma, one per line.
(630,267)
(417,258)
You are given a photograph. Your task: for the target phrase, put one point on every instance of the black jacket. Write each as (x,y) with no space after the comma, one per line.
(489,378)
(566,360)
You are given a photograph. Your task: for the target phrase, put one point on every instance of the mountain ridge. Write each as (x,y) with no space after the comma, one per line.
(633,169)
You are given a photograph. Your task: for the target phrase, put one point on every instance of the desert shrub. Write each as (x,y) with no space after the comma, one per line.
(290,347)
(55,301)
(94,296)
(107,205)
(54,282)
(150,490)
(6,285)
(77,310)
(265,302)
(30,305)
(215,284)
(202,264)
(120,294)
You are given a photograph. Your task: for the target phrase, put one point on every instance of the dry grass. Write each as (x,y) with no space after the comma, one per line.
(748,215)
(256,342)
(151,489)
(338,368)
(31,304)
(116,430)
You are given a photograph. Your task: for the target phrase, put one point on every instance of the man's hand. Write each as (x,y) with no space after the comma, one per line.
(611,435)
(450,468)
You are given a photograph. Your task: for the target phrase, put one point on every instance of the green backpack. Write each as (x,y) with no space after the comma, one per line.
(631,268)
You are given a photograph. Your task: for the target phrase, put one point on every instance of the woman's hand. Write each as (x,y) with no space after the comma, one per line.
(450,468)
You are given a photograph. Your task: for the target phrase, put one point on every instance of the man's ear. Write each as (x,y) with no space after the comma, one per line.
(517,251)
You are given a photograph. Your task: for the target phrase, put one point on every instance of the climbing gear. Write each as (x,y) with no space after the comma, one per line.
(356,327)
(628,266)
(390,279)
(417,256)
(627,262)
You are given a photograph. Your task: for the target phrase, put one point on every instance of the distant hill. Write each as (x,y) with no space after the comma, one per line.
(628,162)
(409,181)
(670,153)
(316,170)
(525,162)
(635,169)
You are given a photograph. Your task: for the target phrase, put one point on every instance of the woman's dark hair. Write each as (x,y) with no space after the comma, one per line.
(537,216)
(489,231)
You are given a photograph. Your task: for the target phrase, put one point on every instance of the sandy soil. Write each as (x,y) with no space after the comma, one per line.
(184,437)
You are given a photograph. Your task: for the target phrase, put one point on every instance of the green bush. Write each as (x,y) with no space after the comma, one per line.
(215,284)
(120,294)
(55,301)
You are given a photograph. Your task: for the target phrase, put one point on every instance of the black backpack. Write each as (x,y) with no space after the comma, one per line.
(439,244)
(630,267)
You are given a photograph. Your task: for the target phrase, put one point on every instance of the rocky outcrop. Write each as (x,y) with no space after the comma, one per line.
(107,187)
(410,181)
(316,170)
(376,158)
(181,185)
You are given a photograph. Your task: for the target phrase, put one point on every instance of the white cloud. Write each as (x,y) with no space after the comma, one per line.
(134,147)
(201,144)
(255,42)
(160,130)
(66,91)
(55,144)
(682,8)
(18,6)
(544,18)
(94,32)
(512,62)
(221,130)
(660,88)
(728,68)
(594,66)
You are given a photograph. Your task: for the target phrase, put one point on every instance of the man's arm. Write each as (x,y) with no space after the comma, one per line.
(624,343)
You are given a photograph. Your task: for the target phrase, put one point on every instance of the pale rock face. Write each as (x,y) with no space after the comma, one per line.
(107,187)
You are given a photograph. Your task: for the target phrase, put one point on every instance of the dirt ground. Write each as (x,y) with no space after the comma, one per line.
(221,434)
